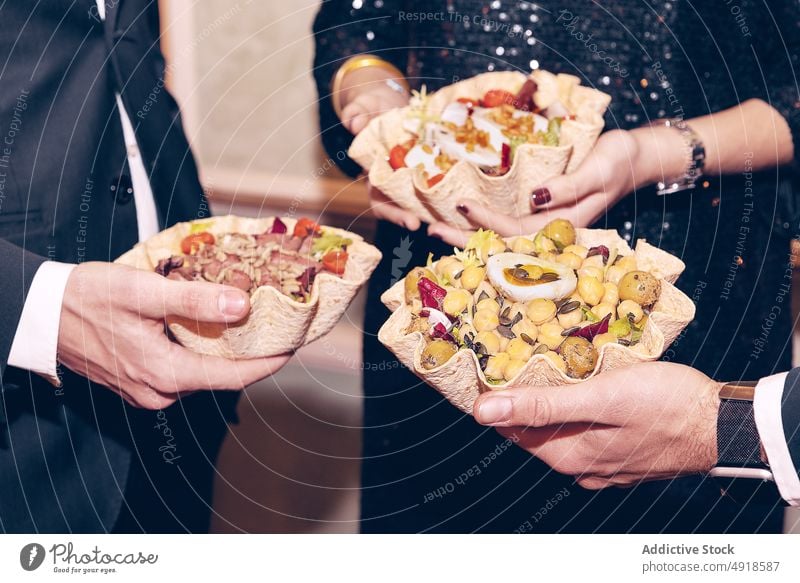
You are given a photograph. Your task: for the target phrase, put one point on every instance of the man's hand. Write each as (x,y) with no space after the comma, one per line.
(112,332)
(649,421)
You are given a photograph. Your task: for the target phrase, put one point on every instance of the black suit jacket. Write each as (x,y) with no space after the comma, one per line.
(67,456)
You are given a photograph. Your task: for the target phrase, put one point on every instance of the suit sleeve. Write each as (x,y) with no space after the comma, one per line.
(18,267)
(340,32)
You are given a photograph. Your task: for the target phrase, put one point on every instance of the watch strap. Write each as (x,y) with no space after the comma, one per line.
(696,156)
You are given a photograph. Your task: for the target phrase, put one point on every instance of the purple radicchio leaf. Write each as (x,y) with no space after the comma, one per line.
(431,294)
(599,250)
(592,330)
(278,227)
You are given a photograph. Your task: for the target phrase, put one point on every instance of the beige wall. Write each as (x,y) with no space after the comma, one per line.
(242,72)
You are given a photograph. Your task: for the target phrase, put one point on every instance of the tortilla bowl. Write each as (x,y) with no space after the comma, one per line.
(277,324)
(460,380)
(508,194)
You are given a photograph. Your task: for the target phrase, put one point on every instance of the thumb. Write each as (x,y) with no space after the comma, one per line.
(198,301)
(538,407)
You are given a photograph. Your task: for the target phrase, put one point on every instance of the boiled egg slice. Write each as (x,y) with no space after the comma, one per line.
(421,156)
(481,157)
(522,278)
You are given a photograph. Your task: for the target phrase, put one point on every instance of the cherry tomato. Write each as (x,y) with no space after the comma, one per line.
(434,180)
(192,244)
(335,261)
(498,97)
(468,101)
(305,227)
(397,157)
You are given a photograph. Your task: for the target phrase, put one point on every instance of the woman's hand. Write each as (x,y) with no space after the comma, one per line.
(385,208)
(366,95)
(649,421)
(611,171)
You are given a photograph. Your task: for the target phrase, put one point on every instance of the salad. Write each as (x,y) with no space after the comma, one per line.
(277,258)
(482,130)
(507,301)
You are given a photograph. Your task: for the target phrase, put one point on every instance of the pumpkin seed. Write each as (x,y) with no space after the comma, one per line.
(569,307)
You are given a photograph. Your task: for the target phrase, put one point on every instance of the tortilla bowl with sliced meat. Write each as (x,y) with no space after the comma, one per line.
(301,278)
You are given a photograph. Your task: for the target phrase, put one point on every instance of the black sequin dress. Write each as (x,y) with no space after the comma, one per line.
(429,468)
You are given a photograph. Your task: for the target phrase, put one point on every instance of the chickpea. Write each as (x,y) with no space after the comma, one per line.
(490,341)
(504,343)
(611,294)
(570,260)
(513,368)
(580,356)
(543,244)
(578,250)
(452,270)
(556,360)
(602,339)
(629,307)
(561,232)
(525,326)
(412,282)
(516,308)
(641,287)
(472,277)
(570,319)
(548,256)
(488,304)
(603,309)
(591,289)
(456,301)
(437,353)
(466,330)
(496,366)
(519,349)
(523,245)
(540,311)
(550,334)
(442,265)
(627,262)
(595,272)
(494,247)
(484,288)
(594,261)
(485,320)
(614,274)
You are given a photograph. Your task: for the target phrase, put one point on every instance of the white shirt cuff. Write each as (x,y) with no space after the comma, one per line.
(769,421)
(35,345)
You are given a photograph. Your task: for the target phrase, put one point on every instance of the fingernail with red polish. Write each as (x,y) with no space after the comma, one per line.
(463,209)
(541,196)
(494,411)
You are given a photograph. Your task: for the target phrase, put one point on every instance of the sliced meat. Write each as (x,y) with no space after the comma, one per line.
(293,243)
(240,279)
(306,247)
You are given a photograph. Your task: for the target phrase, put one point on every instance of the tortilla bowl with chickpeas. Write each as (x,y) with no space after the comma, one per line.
(549,309)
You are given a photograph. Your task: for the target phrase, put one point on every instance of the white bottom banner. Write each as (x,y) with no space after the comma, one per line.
(354,558)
